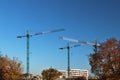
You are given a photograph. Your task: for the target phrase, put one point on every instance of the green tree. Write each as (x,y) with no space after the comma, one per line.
(50,74)
(106,61)
(10,69)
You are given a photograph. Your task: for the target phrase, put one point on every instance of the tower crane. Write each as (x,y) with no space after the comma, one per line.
(28,37)
(68,49)
(95,44)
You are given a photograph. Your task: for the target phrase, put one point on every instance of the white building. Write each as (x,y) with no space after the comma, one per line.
(75,73)
(64,73)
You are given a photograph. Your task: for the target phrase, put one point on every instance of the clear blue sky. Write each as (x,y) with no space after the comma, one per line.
(85,20)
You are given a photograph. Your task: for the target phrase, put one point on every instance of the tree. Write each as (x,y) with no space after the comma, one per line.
(106,62)
(10,69)
(50,74)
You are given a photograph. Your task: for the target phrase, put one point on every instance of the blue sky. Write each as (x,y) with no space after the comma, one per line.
(85,20)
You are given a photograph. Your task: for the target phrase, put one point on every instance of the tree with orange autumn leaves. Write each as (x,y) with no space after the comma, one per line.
(50,74)
(106,61)
(10,69)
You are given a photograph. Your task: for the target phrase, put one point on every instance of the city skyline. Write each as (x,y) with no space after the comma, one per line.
(87,20)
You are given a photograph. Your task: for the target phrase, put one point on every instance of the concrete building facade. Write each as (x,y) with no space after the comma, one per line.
(75,73)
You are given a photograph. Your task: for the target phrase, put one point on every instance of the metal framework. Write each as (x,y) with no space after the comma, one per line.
(68,54)
(28,37)
(95,45)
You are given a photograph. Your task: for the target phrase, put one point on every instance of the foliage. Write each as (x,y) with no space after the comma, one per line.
(50,74)
(76,78)
(10,69)
(106,62)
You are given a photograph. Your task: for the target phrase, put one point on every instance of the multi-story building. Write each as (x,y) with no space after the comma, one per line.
(75,73)
(64,73)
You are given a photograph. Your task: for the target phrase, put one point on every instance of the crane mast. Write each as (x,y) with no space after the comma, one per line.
(68,54)
(95,45)
(28,37)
